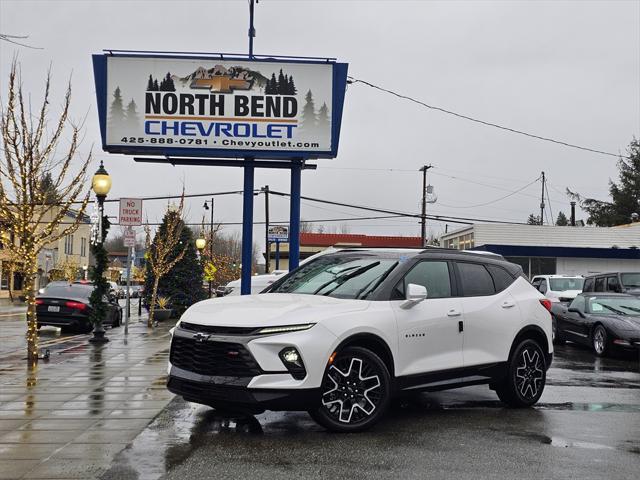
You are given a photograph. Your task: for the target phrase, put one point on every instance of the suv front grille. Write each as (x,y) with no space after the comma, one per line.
(215,330)
(213,358)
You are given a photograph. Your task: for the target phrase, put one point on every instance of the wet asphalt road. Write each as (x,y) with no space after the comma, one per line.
(586,426)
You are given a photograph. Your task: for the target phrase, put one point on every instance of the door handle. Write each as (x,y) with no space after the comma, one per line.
(508,304)
(454,313)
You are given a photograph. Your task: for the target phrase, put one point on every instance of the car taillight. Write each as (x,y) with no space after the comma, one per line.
(76,305)
(39,301)
(546,303)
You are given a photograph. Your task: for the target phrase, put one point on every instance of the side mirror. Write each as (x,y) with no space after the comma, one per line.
(575,310)
(414,295)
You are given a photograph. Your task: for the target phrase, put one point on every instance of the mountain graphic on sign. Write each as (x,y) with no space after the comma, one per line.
(221,79)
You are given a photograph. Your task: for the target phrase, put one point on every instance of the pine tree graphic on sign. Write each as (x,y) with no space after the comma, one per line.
(117,116)
(309,120)
(133,121)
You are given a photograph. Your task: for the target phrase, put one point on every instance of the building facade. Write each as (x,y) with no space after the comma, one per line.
(545,249)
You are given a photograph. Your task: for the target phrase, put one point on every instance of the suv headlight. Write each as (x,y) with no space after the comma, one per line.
(285,329)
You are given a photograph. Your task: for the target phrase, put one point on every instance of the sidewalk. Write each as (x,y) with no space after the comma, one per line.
(74,413)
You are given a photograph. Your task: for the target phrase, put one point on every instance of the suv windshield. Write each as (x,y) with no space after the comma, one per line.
(631,280)
(614,305)
(561,284)
(338,276)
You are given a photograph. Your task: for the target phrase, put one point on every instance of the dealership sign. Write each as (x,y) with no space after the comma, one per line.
(212,107)
(278,233)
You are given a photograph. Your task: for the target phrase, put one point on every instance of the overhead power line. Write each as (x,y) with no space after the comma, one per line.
(497,199)
(482,122)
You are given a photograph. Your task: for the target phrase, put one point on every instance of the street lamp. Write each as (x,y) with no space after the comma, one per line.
(201,243)
(101,184)
(206,207)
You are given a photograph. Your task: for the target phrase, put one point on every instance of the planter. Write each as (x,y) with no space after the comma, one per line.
(161,314)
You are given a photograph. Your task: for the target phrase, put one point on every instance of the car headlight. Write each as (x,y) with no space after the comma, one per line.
(285,329)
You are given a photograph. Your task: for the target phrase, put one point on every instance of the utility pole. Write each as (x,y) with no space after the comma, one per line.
(252,30)
(542,202)
(206,207)
(424,203)
(265,190)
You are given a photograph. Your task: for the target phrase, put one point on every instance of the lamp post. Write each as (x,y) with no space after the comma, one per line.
(101,184)
(206,207)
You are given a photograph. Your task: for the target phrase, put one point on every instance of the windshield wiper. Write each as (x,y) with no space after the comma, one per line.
(615,310)
(633,309)
(366,290)
(339,280)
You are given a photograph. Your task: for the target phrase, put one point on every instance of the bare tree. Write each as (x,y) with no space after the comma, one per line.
(29,152)
(161,255)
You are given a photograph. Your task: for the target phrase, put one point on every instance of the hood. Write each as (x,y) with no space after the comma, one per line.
(623,322)
(269,309)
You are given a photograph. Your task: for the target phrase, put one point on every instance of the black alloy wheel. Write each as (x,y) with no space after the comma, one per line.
(526,376)
(356,391)
(600,341)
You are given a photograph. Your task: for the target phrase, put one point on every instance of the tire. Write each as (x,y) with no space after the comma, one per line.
(526,376)
(555,334)
(366,391)
(600,341)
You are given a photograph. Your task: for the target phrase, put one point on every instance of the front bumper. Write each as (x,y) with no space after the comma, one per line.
(235,397)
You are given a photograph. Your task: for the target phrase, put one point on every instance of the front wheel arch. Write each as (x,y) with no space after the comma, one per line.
(372,342)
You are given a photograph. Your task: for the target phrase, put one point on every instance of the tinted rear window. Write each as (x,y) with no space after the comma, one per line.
(68,291)
(588,285)
(475,279)
(501,278)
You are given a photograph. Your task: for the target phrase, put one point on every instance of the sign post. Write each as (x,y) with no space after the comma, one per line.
(278,234)
(130,215)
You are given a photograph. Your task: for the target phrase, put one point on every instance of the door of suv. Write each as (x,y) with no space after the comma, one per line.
(429,338)
(489,310)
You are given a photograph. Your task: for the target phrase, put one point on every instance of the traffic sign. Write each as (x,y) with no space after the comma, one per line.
(130,211)
(129,237)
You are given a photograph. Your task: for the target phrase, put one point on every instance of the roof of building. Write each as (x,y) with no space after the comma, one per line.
(357,240)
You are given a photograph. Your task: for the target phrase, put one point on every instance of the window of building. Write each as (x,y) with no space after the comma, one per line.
(83,247)
(434,276)
(68,244)
(475,280)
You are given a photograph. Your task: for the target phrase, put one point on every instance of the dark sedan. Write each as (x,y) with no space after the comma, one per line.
(602,321)
(67,306)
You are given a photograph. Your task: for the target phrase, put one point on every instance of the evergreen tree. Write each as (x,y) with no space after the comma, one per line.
(150,84)
(292,87)
(167,85)
(562,220)
(625,195)
(132,115)
(281,83)
(116,113)
(533,220)
(272,85)
(156,87)
(183,283)
(308,114)
(323,118)
(48,190)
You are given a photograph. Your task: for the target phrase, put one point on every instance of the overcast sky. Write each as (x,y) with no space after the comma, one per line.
(567,70)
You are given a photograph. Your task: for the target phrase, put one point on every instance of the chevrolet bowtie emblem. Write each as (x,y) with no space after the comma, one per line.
(201,337)
(222,84)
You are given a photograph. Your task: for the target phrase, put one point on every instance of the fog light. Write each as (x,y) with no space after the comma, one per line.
(293,361)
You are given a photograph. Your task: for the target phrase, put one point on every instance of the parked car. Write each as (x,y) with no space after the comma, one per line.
(67,306)
(558,288)
(258,284)
(617,282)
(602,321)
(344,333)
(135,291)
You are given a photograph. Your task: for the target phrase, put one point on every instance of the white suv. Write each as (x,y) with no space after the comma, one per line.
(558,288)
(344,333)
